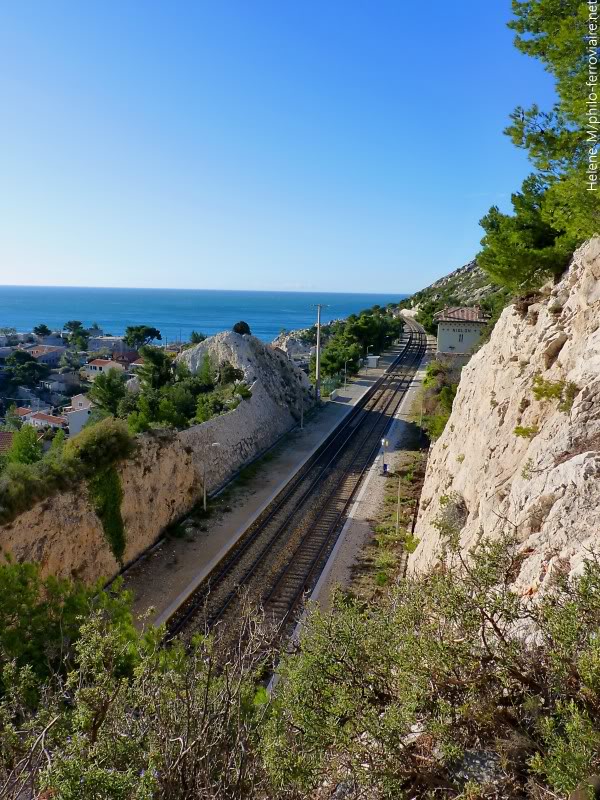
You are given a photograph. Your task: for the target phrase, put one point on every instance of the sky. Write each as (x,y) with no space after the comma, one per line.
(334,145)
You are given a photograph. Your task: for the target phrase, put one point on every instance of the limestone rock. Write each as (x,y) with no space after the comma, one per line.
(545,485)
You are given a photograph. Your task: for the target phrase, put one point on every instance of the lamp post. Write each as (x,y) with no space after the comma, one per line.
(384,443)
(367,359)
(214,444)
(348,360)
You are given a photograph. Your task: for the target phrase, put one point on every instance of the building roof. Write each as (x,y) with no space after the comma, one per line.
(22,411)
(137,363)
(461,314)
(6,438)
(101,362)
(49,418)
(41,349)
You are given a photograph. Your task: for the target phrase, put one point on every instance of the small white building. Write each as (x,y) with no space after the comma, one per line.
(459,330)
(78,413)
(41,420)
(100,366)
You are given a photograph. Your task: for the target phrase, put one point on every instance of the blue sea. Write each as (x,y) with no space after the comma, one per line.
(176,312)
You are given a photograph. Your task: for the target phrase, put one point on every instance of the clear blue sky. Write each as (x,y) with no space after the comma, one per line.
(342,145)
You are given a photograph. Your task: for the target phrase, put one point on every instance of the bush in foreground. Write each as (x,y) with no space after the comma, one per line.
(452,686)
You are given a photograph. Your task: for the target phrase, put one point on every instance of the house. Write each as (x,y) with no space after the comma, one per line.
(459,329)
(54,340)
(23,413)
(47,354)
(80,401)
(76,418)
(125,358)
(40,420)
(110,343)
(100,366)
(78,413)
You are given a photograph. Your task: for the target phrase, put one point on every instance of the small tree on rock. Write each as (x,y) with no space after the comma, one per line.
(242,328)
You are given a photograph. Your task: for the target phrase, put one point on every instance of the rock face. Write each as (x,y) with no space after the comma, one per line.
(164,480)
(545,483)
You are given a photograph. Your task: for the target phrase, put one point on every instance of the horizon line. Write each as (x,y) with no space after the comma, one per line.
(187,289)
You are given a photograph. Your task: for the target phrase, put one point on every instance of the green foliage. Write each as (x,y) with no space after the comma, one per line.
(40,621)
(26,447)
(547,390)
(78,336)
(570,392)
(555,211)
(196,337)
(564,392)
(108,390)
(63,467)
(439,392)
(106,495)
(138,335)
(242,328)
(23,370)
(526,432)
(42,330)
(229,374)
(100,445)
(157,369)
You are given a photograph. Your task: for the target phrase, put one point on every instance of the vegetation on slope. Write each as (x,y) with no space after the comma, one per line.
(26,481)
(436,689)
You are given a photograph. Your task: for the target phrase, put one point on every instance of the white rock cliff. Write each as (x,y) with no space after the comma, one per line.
(545,485)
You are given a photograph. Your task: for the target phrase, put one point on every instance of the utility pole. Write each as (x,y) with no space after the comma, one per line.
(318,364)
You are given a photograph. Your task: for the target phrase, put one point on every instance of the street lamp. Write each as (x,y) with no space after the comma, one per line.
(346,371)
(214,444)
(367,359)
(385,443)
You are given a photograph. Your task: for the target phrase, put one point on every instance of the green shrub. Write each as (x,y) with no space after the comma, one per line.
(26,447)
(569,394)
(547,390)
(102,444)
(525,432)
(40,620)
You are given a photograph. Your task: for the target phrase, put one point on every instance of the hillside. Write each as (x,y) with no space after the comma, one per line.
(466,286)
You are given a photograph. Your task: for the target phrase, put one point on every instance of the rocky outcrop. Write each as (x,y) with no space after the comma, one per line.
(164,479)
(509,461)
(467,285)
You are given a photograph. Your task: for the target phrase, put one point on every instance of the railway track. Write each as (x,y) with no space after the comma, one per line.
(278,560)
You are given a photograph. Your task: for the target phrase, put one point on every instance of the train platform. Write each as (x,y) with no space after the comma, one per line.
(162,578)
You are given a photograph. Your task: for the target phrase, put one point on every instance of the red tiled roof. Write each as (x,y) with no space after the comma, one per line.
(100,362)
(42,349)
(22,411)
(6,438)
(50,418)
(457,314)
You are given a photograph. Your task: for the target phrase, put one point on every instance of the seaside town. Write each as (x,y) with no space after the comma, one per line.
(61,380)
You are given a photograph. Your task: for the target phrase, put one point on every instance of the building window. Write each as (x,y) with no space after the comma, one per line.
(460,337)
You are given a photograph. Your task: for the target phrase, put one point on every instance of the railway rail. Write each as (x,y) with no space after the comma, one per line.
(278,560)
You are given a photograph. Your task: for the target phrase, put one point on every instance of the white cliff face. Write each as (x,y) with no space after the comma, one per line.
(544,486)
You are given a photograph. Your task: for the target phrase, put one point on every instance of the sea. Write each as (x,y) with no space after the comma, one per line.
(176,312)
